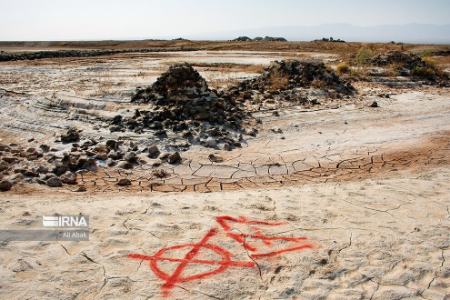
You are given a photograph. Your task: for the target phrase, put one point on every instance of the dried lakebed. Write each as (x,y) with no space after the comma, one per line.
(358,194)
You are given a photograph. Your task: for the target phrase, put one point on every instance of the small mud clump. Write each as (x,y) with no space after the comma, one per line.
(5,186)
(181,104)
(72,135)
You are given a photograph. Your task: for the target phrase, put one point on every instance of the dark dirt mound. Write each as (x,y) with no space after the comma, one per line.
(397,57)
(180,82)
(408,64)
(181,101)
(289,82)
(181,105)
(290,74)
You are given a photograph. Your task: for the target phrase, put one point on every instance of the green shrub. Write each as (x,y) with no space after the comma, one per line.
(425,72)
(429,70)
(426,53)
(364,56)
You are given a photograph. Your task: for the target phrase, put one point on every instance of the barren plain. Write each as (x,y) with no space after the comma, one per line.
(332,198)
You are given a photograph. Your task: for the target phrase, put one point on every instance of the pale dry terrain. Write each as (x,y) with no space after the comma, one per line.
(368,188)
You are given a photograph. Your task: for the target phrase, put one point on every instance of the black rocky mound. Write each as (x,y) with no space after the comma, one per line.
(409,64)
(182,102)
(397,57)
(180,83)
(290,74)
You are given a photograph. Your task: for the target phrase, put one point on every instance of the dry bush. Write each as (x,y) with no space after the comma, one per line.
(358,73)
(393,70)
(426,53)
(441,61)
(278,83)
(430,61)
(343,68)
(318,84)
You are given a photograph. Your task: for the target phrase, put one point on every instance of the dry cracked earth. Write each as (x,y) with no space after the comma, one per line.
(341,201)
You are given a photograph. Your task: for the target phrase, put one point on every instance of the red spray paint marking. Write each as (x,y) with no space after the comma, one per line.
(189,258)
(226,262)
(242,238)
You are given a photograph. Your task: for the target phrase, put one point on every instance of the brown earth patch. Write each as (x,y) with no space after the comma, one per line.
(430,152)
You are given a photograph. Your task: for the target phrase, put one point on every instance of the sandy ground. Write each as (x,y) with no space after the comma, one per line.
(347,202)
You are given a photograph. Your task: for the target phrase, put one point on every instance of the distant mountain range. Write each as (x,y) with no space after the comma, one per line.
(409,33)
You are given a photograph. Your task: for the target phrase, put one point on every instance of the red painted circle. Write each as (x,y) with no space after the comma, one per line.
(223,264)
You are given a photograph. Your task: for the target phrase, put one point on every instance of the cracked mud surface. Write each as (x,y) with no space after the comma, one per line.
(234,174)
(368,187)
(376,239)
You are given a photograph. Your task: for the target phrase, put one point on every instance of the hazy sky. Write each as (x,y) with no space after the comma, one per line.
(122,19)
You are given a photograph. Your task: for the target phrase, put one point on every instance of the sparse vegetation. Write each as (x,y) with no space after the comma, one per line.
(429,71)
(343,68)
(278,83)
(343,49)
(363,56)
(357,73)
(426,53)
(425,72)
